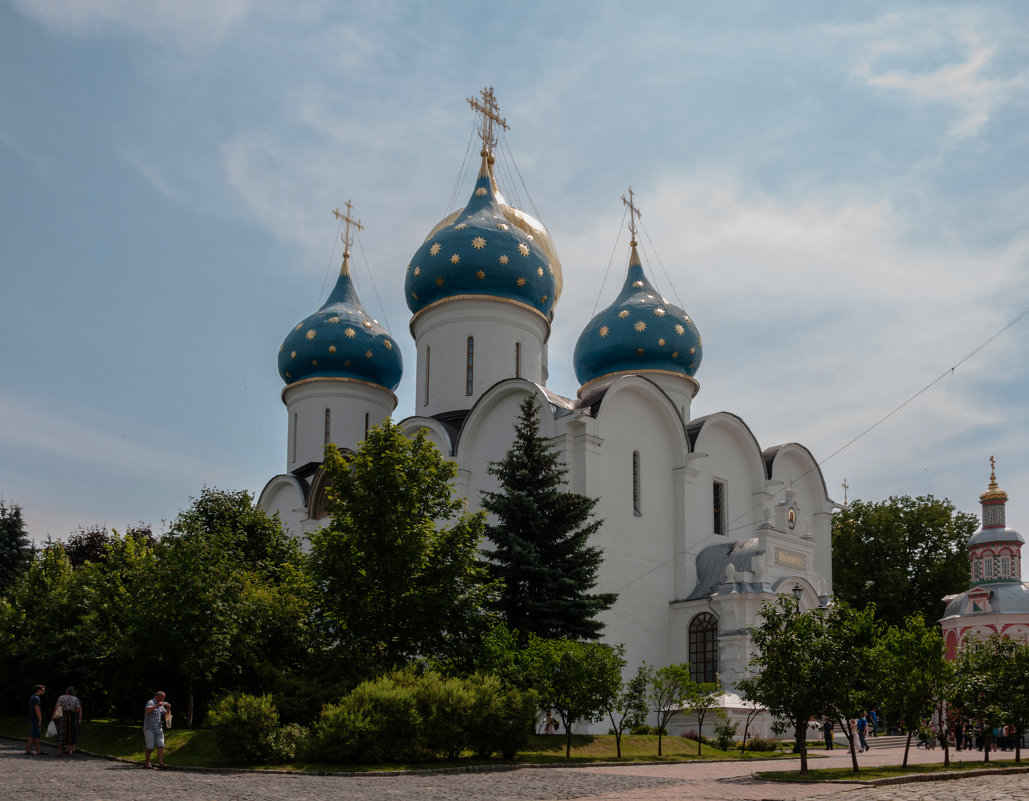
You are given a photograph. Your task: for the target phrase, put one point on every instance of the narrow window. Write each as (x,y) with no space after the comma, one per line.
(468,367)
(328,428)
(426,401)
(718,505)
(988,567)
(1005,567)
(518,359)
(636,507)
(294,438)
(703,655)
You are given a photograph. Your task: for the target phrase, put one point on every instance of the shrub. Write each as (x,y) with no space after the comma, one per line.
(725,732)
(445,707)
(501,719)
(245,727)
(761,744)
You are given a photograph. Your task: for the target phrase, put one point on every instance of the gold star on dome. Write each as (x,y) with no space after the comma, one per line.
(639,351)
(281,347)
(551,268)
(693,364)
(414,295)
(661,342)
(640,326)
(675,355)
(299,327)
(388,344)
(346,363)
(700,341)
(460,226)
(623,314)
(332,348)
(349,333)
(435,249)
(293,354)
(539,271)
(478,243)
(288,375)
(368,354)
(334,320)
(417,270)
(543,299)
(480,274)
(637,284)
(693,350)
(500,227)
(659,312)
(529,237)
(504,259)
(480,191)
(520,282)
(311,333)
(679,329)
(455,259)
(523,248)
(603,331)
(439,280)
(367,323)
(314,362)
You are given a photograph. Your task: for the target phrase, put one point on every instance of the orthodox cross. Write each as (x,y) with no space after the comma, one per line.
(846,487)
(490,111)
(634,214)
(993,473)
(348,220)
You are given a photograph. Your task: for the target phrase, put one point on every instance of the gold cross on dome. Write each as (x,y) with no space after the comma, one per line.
(993,473)
(490,111)
(349,220)
(846,487)
(634,214)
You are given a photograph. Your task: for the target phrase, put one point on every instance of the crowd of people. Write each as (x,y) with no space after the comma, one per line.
(66,724)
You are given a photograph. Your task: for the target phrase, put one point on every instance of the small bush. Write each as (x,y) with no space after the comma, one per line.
(645,729)
(245,727)
(761,744)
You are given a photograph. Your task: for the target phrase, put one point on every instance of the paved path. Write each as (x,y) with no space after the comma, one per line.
(83,778)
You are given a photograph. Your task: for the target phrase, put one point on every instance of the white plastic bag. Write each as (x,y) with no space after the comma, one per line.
(51,730)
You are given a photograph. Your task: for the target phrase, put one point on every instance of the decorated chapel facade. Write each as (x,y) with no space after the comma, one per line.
(701,525)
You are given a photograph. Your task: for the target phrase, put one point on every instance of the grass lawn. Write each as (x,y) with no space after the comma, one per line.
(197,748)
(829,774)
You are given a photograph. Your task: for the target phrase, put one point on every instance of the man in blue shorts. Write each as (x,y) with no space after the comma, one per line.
(35,720)
(153,732)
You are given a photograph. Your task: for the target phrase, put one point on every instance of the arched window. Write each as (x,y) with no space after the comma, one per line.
(703,654)
(637,508)
(718,506)
(294,437)
(328,430)
(425,402)
(518,359)
(468,366)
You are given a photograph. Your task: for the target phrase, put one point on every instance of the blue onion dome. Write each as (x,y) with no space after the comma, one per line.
(487,249)
(341,340)
(639,332)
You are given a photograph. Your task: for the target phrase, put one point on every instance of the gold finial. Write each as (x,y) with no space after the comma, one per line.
(634,214)
(846,487)
(347,241)
(993,473)
(490,111)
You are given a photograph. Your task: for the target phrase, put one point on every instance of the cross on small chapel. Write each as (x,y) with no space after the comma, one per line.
(348,220)
(993,473)
(846,487)
(490,111)
(634,214)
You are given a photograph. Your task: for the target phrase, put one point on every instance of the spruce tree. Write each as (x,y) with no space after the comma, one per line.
(15,548)
(542,554)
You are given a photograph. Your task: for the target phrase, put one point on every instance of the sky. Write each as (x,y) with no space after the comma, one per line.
(836,193)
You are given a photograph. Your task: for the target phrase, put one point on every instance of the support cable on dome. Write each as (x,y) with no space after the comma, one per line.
(461,173)
(610,261)
(375,289)
(332,257)
(732,527)
(661,264)
(532,205)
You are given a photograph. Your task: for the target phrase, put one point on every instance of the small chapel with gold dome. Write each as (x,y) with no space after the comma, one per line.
(701,524)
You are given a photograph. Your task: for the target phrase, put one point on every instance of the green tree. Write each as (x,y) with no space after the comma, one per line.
(397,568)
(785,678)
(701,699)
(15,548)
(628,707)
(542,555)
(578,680)
(670,690)
(904,554)
(908,670)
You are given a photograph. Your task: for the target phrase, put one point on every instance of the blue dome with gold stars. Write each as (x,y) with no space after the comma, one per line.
(341,340)
(487,249)
(639,332)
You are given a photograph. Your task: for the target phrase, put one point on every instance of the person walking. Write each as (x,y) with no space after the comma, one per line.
(35,720)
(827,734)
(153,732)
(68,723)
(862,726)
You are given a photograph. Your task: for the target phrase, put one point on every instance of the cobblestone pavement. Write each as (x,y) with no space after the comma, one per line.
(83,778)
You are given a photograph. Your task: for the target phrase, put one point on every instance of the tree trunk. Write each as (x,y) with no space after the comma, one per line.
(801,736)
(853,750)
(660,728)
(618,742)
(189,703)
(907,748)
(568,739)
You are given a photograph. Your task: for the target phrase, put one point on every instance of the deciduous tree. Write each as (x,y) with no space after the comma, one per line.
(670,689)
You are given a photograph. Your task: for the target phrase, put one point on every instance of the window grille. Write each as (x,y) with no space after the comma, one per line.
(703,654)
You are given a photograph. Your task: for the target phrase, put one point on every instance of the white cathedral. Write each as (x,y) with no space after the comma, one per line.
(701,524)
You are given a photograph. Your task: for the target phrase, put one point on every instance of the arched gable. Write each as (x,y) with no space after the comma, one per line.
(724,438)
(792,463)
(286,496)
(434,430)
(636,389)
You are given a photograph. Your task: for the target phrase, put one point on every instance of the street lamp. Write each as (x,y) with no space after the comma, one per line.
(798,591)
